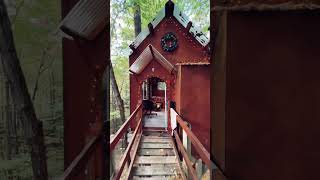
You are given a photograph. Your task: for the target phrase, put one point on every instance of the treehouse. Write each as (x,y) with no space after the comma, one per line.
(169,66)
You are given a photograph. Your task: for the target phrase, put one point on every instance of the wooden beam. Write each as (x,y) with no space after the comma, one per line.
(82,155)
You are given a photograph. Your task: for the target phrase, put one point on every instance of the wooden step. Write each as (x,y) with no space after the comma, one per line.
(155,152)
(155,146)
(156,170)
(156,137)
(155,140)
(157,178)
(155,160)
(156,133)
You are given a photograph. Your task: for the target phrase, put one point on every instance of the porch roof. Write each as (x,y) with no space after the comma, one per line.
(150,53)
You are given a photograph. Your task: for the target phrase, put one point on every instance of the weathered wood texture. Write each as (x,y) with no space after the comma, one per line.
(155,152)
(22,97)
(271,96)
(155,162)
(154,178)
(155,140)
(156,170)
(126,156)
(84,154)
(156,146)
(193,174)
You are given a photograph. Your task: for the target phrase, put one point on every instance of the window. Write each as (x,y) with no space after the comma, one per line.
(161,86)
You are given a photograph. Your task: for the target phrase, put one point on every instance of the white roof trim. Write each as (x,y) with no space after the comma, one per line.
(150,53)
(182,19)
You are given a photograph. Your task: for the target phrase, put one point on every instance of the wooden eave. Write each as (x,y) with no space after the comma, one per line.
(149,54)
(86,19)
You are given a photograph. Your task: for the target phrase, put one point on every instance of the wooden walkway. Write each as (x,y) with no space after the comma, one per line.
(155,121)
(156,158)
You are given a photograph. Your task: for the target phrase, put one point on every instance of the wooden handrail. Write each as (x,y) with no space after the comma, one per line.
(201,150)
(125,157)
(93,142)
(82,155)
(114,141)
(185,156)
(134,153)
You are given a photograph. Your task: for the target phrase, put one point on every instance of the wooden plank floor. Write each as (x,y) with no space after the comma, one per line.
(155,120)
(156,158)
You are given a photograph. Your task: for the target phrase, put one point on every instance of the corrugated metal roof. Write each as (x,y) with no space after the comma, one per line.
(86,19)
(150,53)
(181,17)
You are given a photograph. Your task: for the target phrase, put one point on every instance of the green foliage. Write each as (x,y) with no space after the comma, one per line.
(122,34)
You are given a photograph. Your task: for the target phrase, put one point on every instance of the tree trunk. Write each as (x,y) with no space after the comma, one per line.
(22,97)
(8,119)
(137,20)
(52,95)
(119,101)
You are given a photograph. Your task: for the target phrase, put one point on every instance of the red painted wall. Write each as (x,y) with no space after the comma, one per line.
(83,65)
(194,106)
(272,95)
(136,82)
(177,90)
(189,51)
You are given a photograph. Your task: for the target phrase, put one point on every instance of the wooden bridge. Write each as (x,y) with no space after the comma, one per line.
(151,153)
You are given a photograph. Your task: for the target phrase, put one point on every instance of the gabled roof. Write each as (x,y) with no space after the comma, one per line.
(86,19)
(171,9)
(150,53)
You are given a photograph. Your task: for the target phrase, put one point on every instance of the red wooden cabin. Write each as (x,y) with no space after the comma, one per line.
(184,69)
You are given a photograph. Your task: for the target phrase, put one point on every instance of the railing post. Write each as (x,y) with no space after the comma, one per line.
(186,144)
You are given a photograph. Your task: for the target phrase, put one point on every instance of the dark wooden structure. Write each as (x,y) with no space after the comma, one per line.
(85,58)
(265,89)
